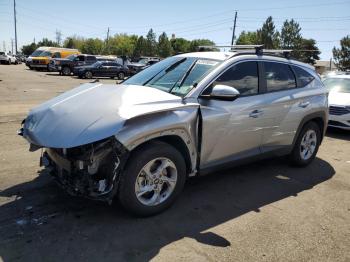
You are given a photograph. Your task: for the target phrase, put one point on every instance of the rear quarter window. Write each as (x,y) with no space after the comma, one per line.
(304,78)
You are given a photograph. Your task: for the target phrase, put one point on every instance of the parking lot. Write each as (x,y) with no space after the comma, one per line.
(265,211)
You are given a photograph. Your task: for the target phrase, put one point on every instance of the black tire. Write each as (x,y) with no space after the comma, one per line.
(88,74)
(138,159)
(295,157)
(66,71)
(121,75)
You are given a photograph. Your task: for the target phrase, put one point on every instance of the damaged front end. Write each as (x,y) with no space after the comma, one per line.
(91,170)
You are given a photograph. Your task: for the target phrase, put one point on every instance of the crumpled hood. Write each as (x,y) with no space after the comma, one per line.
(338,98)
(92,112)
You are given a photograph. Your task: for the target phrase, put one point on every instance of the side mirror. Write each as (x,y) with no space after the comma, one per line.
(223,92)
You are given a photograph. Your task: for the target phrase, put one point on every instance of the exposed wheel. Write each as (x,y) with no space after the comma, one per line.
(121,75)
(306,145)
(66,71)
(152,179)
(88,74)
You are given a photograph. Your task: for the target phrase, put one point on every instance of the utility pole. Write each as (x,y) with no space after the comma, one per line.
(11,46)
(58,37)
(107,47)
(14,12)
(234,29)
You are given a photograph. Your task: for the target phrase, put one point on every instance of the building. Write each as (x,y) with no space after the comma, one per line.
(322,66)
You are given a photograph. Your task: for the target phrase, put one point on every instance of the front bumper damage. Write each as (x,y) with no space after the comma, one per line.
(91,171)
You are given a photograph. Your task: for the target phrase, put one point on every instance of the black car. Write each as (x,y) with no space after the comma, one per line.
(66,65)
(102,68)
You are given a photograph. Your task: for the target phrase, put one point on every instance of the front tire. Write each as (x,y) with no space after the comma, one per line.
(121,75)
(306,145)
(66,71)
(152,180)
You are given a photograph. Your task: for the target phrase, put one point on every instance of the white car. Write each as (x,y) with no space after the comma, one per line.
(339,101)
(8,59)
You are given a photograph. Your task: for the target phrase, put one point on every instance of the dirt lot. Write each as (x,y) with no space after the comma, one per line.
(265,211)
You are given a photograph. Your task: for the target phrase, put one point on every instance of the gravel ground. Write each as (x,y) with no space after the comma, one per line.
(265,211)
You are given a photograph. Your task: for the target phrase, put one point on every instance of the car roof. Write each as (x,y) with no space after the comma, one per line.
(226,55)
(209,55)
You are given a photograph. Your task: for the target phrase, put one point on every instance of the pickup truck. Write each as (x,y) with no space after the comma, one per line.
(65,66)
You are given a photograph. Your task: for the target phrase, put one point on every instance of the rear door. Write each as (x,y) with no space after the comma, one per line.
(233,129)
(285,105)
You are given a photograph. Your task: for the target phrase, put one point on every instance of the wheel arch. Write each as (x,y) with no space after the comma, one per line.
(320,118)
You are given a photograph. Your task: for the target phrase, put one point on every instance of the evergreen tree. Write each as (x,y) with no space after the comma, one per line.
(164,47)
(267,35)
(342,55)
(290,35)
(151,44)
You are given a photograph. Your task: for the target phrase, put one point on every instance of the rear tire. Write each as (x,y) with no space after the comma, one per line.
(152,180)
(306,145)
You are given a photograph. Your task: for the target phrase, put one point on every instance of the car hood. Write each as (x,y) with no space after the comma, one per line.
(338,98)
(92,112)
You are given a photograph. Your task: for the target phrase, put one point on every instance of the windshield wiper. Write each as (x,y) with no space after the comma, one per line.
(169,68)
(184,77)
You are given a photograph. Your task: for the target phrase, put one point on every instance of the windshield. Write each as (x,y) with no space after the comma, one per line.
(176,75)
(341,85)
(46,53)
(36,53)
(71,57)
(96,64)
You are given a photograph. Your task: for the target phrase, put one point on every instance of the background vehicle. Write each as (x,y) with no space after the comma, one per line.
(66,65)
(102,69)
(43,60)
(186,115)
(339,100)
(36,53)
(7,59)
(141,64)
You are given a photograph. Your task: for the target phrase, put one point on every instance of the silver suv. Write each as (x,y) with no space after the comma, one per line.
(184,116)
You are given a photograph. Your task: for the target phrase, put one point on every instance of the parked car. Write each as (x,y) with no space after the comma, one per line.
(66,65)
(7,59)
(142,64)
(102,68)
(339,100)
(187,115)
(42,61)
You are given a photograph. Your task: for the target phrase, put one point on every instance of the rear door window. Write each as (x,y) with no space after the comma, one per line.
(304,78)
(278,77)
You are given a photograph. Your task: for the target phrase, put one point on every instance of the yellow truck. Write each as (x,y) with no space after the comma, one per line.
(42,61)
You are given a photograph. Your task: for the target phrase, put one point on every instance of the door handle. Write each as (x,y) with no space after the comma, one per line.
(304,104)
(256,113)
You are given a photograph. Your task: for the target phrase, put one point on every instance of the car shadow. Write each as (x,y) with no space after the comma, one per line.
(338,133)
(42,223)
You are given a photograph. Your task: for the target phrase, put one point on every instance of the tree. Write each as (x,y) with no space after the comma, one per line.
(194,44)
(164,47)
(290,35)
(74,42)
(151,43)
(247,38)
(140,45)
(92,46)
(47,42)
(180,45)
(309,51)
(29,49)
(122,45)
(342,55)
(267,35)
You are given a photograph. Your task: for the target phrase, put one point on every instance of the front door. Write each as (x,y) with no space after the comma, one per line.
(233,129)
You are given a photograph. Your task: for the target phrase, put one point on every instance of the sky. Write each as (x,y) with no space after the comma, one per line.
(325,21)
